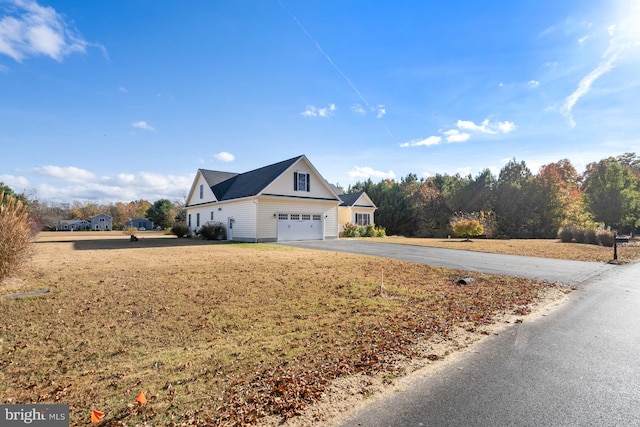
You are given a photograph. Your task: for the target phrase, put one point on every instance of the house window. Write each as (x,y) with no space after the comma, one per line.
(211,215)
(363,219)
(198,219)
(189,220)
(317,217)
(283,216)
(201,191)
(295,217)
(301,181)
(306,217)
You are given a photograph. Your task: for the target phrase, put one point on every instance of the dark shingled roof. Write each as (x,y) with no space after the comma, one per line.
(228,186)
(350,199)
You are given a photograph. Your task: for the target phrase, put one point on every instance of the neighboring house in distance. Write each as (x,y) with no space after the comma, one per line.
(140,224)
(97,222)
(73,225)
(356,208)
(102,222)
(285,201)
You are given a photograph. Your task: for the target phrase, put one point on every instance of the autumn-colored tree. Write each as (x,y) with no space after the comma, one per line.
(85,210)
(466,227)
(559,198)
(431,211)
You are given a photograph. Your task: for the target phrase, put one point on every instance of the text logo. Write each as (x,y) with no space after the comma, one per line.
(34,415)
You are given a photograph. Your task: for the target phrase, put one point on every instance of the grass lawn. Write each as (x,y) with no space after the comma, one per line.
(228,334)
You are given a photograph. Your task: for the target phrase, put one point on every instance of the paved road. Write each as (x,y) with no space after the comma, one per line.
(577,366)
(566,272)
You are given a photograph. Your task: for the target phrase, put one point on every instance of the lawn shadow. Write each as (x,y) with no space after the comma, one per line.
(127,243)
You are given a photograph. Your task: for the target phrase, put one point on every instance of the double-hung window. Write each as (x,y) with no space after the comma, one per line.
(301,181)
(362,219)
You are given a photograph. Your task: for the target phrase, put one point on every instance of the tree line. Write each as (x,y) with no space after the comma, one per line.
(46,215)
(516,203)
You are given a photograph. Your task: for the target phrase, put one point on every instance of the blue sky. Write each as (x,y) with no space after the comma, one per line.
(123,100)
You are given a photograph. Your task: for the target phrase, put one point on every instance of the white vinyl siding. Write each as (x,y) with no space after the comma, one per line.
(200,192)
(242,211)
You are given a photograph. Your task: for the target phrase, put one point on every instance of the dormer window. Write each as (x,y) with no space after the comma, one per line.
(301,181)
(201,191)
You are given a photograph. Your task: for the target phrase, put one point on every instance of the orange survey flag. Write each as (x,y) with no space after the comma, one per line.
(141,398)
(96,416)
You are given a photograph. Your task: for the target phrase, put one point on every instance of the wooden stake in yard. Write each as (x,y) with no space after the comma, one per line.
(382,284)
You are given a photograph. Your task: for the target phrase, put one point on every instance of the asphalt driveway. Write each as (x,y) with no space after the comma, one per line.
(576,366)
(566,272)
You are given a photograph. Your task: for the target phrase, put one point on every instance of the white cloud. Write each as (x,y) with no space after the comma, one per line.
(357,108)
(487,126)
(123,89)
(143,125)
(455,135)
(533,83)
(68,173)
(312,111)
(368,172)
(28,29)
(382,111)
(432,140)
(16,183)
(223,156)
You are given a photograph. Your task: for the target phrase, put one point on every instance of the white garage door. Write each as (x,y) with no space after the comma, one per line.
(299,227)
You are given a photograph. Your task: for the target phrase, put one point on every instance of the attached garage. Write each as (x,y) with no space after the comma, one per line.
(299,227)
(285,201)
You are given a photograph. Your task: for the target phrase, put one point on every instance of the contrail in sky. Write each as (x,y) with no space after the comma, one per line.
(333,64)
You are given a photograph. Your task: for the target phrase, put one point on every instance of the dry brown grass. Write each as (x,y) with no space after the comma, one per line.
(527,247)
(218,333)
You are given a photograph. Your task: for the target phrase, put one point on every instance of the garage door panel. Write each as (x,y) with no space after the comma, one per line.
(299,227)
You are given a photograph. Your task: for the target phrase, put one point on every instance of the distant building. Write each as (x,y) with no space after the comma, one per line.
(140,224)
(73,225)
(100,222)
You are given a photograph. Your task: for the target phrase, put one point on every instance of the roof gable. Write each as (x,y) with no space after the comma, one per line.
(229,186)
(360,198)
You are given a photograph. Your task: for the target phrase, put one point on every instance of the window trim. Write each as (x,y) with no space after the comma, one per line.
(297,177)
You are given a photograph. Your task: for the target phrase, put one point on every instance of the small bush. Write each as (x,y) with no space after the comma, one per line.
(129,231)
(465,227)
(351,230)
(579,235)
(180,229)
(590,236)
(369,231)
(605,238)
(15,234)
(213,231)
(565,235)
(381,232)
